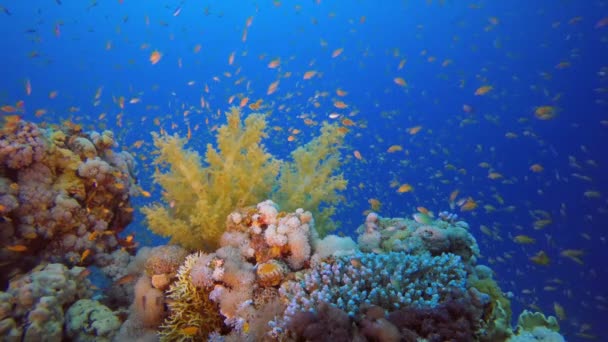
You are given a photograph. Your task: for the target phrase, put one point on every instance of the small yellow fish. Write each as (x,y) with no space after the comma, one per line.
(559,311)
(468,205)
(394,148)
(483,90)
(541,258)
(574,255)
(375,204)
(405,188)
(523,239)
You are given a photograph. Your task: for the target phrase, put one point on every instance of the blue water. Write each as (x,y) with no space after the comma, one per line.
(76,48)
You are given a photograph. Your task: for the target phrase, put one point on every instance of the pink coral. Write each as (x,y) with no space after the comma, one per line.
(56,205)
(21,145)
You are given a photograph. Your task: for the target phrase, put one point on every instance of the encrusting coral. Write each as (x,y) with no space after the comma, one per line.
(240,172)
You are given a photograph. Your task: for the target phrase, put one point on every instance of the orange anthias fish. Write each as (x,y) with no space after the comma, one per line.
(394,148)
(414,130)
(340,105)
(468,205)
(337,52)
(155,57)
(400,81)
(85,254)
(536,168)
(405,188)
(272,87)
(17,248)
(274,63)
(483,90)
(545,112)
(309,74)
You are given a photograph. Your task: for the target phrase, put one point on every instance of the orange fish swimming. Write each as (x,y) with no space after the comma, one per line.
(309,74)
(483,90)
(414,130)
(272,87)
(274,63)
(545,112)
(155,57)
(17,248)
(337,52)
(536,168)
(400,81)
(340,105)
(405,188)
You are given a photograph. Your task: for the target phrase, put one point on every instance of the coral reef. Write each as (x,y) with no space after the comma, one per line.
(391,280)
(33,306)
(192,314)
(380,234)
(273,278)
(63,197)
(239,172)
(89,320)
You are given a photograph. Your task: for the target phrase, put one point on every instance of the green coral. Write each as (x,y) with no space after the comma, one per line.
(192,315)
(238,173)
(528,320)
(491,288)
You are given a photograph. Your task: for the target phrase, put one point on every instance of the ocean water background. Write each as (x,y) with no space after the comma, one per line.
(448,49)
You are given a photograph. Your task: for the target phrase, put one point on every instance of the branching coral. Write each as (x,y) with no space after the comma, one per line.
(237,173)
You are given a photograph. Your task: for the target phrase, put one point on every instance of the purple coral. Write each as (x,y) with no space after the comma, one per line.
(21,145)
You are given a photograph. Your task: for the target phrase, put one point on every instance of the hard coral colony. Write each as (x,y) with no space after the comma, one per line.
(240,268)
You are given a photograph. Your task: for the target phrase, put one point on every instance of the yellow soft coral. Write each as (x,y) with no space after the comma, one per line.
(240,172)
(309,181)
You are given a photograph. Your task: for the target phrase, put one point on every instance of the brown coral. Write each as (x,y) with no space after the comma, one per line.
(165,259)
